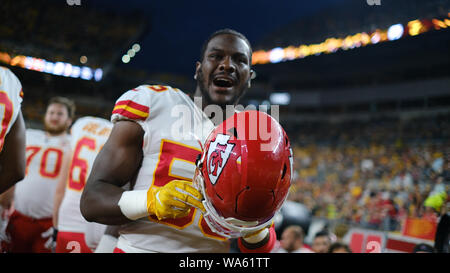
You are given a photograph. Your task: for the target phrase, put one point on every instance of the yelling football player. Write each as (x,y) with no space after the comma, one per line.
(164,211)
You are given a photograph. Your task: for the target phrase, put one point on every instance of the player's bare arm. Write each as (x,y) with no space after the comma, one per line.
(6,198)
(12,157)
(61,188)
(115,165)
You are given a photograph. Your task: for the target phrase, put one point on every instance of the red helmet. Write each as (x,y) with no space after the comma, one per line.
(244,173)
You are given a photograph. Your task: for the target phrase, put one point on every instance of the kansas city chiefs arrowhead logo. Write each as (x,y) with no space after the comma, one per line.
(218,153)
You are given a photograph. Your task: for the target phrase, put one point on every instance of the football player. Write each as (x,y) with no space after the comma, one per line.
(30,226)
(12,130)
(12,142)
(163,212)
(88,135)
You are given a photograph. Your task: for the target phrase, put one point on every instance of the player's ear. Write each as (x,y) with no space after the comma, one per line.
(252,76)
(198,65)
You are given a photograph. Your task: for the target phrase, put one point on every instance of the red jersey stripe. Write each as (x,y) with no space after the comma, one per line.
(134,105)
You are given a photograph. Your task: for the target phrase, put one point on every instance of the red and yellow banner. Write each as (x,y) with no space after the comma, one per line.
(420,228)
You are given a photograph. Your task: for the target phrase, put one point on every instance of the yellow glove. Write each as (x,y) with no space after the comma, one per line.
(173,200)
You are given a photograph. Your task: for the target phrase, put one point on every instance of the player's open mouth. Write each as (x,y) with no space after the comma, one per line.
(223,82)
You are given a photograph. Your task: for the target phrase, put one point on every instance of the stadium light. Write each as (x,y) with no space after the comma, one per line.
(49,66)
(280,98)
(131,53)
(395,32)
(67,70)
(98,74)
(83,59)
(415,27)
(28,63)
(39,65)
(136,47)
(42,65)
(76,72)
(438,24)
(375,37)
(58,69)
(276,55)
(126,58)
(35,64)
(331,45)
(86,73)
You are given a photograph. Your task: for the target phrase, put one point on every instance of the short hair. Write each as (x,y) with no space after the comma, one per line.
(322,233)
(225,31)
(338,245)
(68,103)
(297,231)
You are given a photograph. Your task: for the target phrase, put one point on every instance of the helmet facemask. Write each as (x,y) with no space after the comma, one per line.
(226,227)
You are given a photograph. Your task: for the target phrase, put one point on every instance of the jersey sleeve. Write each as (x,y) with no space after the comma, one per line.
(133,105)
(10,101)
(10,84)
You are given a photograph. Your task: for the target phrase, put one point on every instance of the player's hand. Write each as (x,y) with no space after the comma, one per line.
(173,200)
(51,234)
(4,219)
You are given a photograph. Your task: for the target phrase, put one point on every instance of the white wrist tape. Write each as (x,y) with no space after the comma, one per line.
(257,237)
(133,204)
(107,244)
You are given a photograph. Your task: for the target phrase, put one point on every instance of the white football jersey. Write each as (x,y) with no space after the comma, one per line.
(89,134)
(33,195)
(93,233)
(173,127)
(10,100)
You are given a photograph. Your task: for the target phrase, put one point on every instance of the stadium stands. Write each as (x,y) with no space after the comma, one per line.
(350,17)
(69,32)
(367,172)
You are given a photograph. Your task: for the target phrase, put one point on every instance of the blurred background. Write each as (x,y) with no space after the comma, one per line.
(363,89)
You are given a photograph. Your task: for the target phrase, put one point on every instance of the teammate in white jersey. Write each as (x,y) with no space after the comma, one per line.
(12,130)
(153,142)
(88,135)
(30,226)
(12,142)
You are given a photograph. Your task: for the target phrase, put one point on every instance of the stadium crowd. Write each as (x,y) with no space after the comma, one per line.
(373,174)
(69,33)
(359,17)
